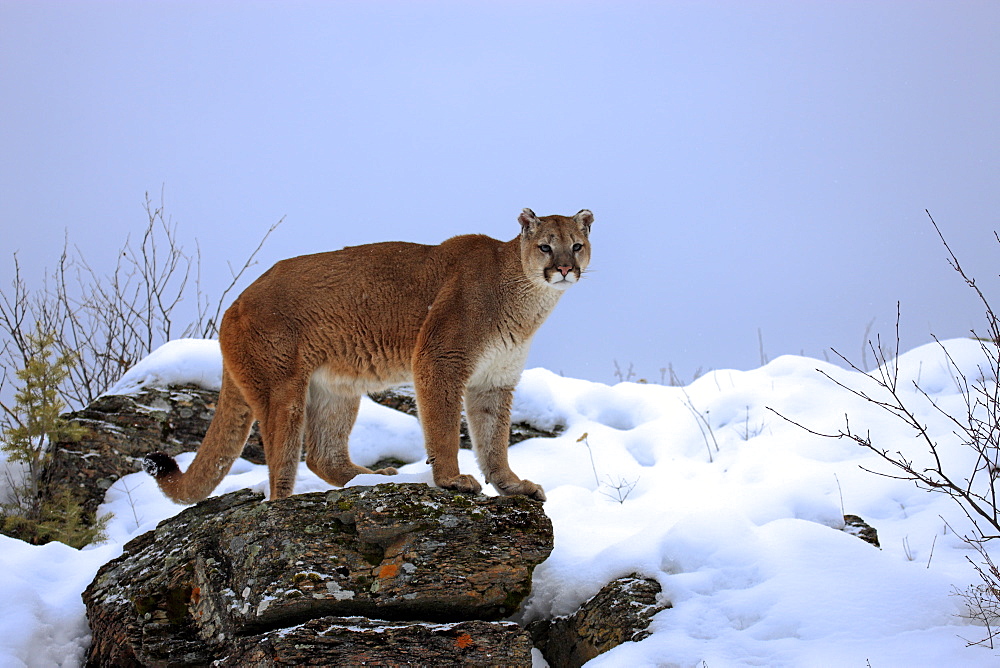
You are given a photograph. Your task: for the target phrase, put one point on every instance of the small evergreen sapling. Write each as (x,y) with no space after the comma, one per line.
(26,431)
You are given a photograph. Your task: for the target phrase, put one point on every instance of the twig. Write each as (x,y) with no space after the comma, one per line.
(583,439)
(760,346)
(706,431)
(843,511)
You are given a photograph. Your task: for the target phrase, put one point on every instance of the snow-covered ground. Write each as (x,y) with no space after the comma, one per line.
(739,523)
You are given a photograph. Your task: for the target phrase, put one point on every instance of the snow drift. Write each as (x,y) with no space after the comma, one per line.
(735,511)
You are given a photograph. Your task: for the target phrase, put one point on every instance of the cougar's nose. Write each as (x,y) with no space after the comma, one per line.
(564,269)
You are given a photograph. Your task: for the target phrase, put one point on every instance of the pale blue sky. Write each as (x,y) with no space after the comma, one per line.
(751,165)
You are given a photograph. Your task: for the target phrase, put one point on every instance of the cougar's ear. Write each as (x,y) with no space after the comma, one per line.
(528,220)
(584,219)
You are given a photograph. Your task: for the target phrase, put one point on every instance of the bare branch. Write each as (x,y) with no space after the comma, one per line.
(109,321)
(976,491)
(211,326)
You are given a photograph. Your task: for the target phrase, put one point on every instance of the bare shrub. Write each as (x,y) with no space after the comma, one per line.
(110,321)
(974,488)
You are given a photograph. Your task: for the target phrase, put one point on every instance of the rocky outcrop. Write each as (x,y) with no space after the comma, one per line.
(390,575)
(619,613)
(238,580)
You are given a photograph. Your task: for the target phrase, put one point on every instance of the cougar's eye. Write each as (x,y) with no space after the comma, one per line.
(577,248)
(545,248)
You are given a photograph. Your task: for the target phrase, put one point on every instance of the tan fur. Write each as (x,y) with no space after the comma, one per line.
(314,333)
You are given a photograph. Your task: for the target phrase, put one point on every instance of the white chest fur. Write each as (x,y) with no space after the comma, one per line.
(500,365)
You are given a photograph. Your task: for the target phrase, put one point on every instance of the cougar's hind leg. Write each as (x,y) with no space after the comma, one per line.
(329,419)
(281,429)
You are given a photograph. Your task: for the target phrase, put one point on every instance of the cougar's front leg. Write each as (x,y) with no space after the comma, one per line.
(439,388)
(488,412)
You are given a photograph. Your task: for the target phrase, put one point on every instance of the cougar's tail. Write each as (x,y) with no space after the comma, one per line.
(223,443)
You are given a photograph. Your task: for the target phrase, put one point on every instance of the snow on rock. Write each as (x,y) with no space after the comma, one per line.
(736,512)
(181,362)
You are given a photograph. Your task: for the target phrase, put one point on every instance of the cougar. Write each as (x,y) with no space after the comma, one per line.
(307,339)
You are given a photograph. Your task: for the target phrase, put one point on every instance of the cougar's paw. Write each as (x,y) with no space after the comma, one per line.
(461,483)
(523,487)
(388,470)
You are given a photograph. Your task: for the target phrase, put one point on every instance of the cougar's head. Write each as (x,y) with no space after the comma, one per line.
(555,250)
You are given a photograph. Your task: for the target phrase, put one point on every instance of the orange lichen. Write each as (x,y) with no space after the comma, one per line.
(463,641)
(388,571)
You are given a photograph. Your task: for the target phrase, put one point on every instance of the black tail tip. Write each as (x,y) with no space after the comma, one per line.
(159,464)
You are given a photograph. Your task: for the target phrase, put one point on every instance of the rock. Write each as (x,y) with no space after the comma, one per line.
(619,613)
(402,398)
(358,641)
(234,566)
(124,428)
(856,526)
(295,581)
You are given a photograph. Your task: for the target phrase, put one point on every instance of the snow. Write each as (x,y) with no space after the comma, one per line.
(733,509)
(195,361)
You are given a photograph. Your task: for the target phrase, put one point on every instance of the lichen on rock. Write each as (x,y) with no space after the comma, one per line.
(235,566)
